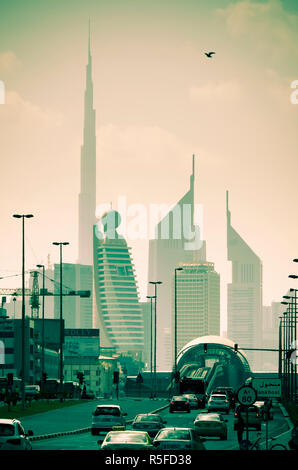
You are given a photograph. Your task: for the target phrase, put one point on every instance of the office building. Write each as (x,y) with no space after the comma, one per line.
(244,296)
(197,302)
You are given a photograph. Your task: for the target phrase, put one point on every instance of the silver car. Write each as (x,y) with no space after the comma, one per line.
(13,435)
(105,417)
(178,439)
(127,440)
(218,402)
(151,423)
(211,424)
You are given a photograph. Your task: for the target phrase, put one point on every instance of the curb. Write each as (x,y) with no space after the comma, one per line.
(286,416)
(80,431)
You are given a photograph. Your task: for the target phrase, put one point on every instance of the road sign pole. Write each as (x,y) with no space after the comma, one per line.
(247,428)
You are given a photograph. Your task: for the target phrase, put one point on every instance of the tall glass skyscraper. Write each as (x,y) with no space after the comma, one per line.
(177,241)
(244,295)
(87,197)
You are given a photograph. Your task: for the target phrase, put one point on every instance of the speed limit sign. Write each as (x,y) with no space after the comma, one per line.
(246,395)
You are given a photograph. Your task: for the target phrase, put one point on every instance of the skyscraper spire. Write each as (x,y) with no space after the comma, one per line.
(87,197)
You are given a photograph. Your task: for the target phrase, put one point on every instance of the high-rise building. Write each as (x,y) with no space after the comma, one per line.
(271,320)
(87,197)
(197,303)
(177,240)
(77,311)
(244,296)
(117,312)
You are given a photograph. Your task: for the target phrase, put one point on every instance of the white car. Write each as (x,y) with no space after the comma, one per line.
(106,417)
(218,402)
(127,440)
(13,435)
(178,439)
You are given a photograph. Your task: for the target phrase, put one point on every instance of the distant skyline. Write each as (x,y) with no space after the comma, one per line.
(158,101)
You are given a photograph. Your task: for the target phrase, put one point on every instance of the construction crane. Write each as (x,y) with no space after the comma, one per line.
(35,292)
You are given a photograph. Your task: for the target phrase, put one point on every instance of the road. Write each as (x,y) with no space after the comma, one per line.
(86,441)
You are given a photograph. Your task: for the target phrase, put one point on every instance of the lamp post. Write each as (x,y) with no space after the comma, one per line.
(175,327)
(155,283)
(61,244)
(285,348)
(23,217)
(151,297)
(42,341)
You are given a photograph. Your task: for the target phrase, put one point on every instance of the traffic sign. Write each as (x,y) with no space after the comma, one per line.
(246,395)
(267,388)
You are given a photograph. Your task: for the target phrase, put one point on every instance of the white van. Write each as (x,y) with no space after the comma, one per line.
(105,417)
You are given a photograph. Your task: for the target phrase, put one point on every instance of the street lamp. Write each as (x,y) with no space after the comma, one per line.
(61,319)
(23,217)
(175,326)
(155,283)
(151,297)
(43,342)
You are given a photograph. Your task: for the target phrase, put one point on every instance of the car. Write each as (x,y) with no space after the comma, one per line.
(178,439)
(211,424)
(179,403)
(13,435)
(151,423)
(192,400)
(230,394)
(127,440)
(32,392)
(218,402)
(105,417)
(252,413)
(264,410)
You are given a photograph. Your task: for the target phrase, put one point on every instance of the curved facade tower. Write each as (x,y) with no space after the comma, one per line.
(117,309)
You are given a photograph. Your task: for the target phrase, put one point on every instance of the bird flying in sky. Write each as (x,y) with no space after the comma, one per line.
(209,54)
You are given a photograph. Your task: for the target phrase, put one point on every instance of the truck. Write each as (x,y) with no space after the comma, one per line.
(196,386)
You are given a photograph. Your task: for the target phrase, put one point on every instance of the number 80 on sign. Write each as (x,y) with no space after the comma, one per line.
(246,395)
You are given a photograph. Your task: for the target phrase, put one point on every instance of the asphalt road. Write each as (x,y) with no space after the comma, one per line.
(86,441)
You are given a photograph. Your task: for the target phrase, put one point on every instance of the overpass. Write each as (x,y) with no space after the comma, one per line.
(215,360)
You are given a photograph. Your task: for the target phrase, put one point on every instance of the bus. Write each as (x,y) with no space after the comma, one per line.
(196,386)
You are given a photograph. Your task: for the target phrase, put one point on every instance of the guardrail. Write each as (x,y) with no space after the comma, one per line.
(80,431)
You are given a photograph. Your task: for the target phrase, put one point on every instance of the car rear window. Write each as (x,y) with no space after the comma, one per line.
(107,411)
(175,434)
(148,418)
(6,429)
(126,437)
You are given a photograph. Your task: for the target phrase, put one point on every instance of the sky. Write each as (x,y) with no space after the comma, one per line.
(158,100)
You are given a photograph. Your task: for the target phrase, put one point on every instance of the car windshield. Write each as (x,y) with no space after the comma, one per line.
(126,437)
(148,418)
(179,399)
(182,434)
(190,397)
(6,429)
(107,411)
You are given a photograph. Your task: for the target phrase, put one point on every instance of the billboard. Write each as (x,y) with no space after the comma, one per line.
(81,342)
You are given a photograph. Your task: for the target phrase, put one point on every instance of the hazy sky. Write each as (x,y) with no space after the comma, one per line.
(158,100)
